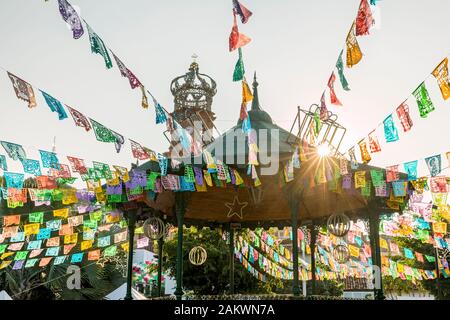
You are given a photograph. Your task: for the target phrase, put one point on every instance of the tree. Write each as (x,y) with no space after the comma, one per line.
(212,277)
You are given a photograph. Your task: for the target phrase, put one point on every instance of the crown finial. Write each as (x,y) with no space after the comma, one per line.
(194,64)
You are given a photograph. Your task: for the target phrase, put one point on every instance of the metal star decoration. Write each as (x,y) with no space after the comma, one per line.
(236,208)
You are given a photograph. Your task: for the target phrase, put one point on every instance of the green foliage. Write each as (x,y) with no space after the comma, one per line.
(211,278)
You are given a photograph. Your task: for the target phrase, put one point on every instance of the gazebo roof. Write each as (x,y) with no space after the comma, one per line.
(268,135)
(269,204)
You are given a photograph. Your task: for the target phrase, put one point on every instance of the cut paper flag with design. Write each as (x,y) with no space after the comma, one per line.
(77,165)
(390,131)
(242,11)
(423,100)
(239,69)
(125,72)
(49,159)
(24,90)
(323,108)
(404,117)
(98,46)
(392,173)
(55,106)
(160,113)
(31,166)
(374,144)
(120,140)
(144,102)
(441,75)
(71,17)
(14,180)
(138,151)
(237,39)
(340,69)
(434,164)
(333,97)
(411,169)
(3,164)
(354,162)
(14,151)
(102,133)
(79,119)
(365,156)
(354,54)
(364,19)
(247,95)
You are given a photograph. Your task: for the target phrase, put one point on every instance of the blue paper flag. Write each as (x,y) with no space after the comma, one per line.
(160,114)
(3,164)
(390,131)
(49,159)
(14,180)
(77,257)
(434,164)
(411,169)
(31,166)
(55,106)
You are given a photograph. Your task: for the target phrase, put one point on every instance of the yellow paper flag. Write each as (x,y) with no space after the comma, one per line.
(32,228)
(86,244)
(354,54)
(247,95)
(354,251)
(441,75)
(71,238)
(62,213)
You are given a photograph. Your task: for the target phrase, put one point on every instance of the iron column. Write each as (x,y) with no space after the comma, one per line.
(231,252)
(294,204)
(160,252)
(131,227)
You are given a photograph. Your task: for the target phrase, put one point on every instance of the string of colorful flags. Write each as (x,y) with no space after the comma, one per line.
(57,230)
(360,27)
(98,46)
(402,115)
(24,91)
(238,40)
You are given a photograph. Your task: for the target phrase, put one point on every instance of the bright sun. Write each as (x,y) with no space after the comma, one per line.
(323,150)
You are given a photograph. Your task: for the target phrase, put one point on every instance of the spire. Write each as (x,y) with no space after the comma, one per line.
(255,102)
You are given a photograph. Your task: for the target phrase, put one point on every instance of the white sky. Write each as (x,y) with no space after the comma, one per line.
(295,46)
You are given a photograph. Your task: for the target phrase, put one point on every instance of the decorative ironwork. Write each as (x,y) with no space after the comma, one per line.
(154,228)
(341,253)
(198,256)
(330,132)
(193,96)
(338,224)
(236,208)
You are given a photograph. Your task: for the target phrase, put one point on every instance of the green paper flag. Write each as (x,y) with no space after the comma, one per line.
(36,217)
(239,69)
(102,133)
(377,177)
(423,100)
(110,251)
(340,69)
(102,170)
(98,46)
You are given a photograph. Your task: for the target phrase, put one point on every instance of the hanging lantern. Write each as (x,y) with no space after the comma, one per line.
(197,256)
(341,253)
(154,228)
(338,224)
